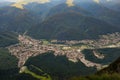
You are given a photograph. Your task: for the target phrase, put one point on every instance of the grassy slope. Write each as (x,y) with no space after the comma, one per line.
(114,76)
(7,38)
(112,72)
(45,76)
(59,66)
(7,61)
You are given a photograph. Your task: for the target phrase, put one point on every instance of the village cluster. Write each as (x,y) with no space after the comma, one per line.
(28,47)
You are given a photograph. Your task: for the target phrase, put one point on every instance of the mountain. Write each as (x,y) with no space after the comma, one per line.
(17,20)
(62,8)
(22,3)
(20,20)
(7,38)
(71,25)
(113,5)
(114,67)
(69,45)
(35,12)
(112,72)
(40,10)
(101,12)
(8,61)
(4,4)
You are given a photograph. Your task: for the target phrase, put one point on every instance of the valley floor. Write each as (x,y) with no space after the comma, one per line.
(28,47)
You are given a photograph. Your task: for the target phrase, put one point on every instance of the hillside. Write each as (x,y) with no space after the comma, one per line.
(111,72)
(16,20)
(40,11)
(63,8)
(114,5)
(114,67)
(58,67)
(7,61)
(54,59)
(71,26)
(7,39)
(100,11)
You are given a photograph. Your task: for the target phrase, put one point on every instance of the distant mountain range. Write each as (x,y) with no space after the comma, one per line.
(17,20)
(71,26)
(102,11)
(3,4)
(20,4)
(56,20)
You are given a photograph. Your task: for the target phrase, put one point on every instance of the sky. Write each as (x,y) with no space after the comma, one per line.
(8,0)
(17,0)
(67,1)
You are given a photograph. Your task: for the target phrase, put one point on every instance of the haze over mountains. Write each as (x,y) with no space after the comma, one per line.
(37,16)
(71,26)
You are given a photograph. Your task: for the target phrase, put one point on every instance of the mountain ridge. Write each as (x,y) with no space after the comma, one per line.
(71,25)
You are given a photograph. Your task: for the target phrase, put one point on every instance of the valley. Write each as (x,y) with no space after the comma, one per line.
(28,47)
(59,39)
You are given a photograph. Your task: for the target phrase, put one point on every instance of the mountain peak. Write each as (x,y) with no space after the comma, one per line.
(97,1)
(70,3)
(20,4)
